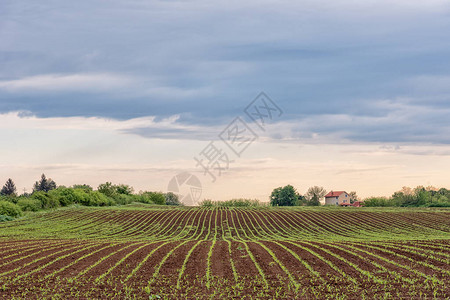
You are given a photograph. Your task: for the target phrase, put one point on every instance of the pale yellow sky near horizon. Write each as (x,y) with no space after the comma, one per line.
(94,150)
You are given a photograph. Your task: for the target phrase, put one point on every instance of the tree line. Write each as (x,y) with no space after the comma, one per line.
(406,197)
(47,195)
(413,197)
(288,196)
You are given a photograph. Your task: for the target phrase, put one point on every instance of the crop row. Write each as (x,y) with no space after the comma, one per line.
(228,223)
(225,268)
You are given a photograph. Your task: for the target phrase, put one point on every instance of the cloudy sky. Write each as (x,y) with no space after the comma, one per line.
(131,91)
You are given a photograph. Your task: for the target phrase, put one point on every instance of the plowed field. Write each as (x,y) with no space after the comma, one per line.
(222,253)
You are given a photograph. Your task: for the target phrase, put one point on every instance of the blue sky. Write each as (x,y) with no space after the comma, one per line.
(131,91)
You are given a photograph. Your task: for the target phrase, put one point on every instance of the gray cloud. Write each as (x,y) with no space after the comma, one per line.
(327,65)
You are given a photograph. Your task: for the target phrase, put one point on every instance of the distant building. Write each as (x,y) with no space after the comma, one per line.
(337,198)
(358,204)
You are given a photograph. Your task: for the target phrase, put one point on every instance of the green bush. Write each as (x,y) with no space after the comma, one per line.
(84,198)
(207,203)
(29,204)
(12,199)
(144,198)
(47,200)
(65,196)
(69,196)
(97,199)
(80,196)
(85,187)
(241,202)
(5,218)
(123,199)
(152,197)
(158,198)
(10,209)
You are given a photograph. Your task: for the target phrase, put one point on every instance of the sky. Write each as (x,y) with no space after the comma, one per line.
(135,92)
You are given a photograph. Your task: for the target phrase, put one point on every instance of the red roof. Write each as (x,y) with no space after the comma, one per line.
(333,194)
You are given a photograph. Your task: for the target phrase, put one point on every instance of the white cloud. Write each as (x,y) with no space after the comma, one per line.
(24,120)
(106,83)
(67,82)
(149,127)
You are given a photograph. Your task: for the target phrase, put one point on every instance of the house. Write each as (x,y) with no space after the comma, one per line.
(337,198)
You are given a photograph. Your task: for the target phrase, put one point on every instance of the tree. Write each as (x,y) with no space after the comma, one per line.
(107,189)
(9,189)
(124,189)
(44,185)
(172,199)
(353,197)
(85,187)
(314,194)
(284,196)
(443,191)
(111,190)
(157,197)
(407,191)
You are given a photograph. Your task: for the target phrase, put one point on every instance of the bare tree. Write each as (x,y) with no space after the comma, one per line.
(353,197)
(314,194)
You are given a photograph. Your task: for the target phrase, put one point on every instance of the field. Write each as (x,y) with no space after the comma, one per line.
(144,252)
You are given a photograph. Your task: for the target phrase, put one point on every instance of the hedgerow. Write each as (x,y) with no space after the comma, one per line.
(240,202)
(29,204)
(10,209)
(47,200)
